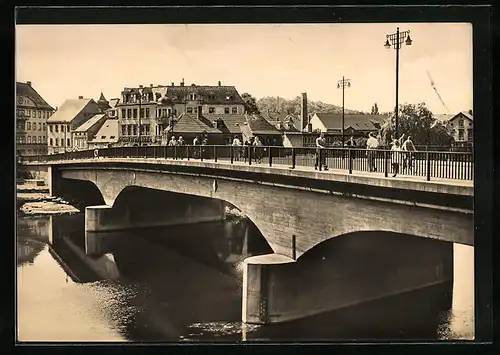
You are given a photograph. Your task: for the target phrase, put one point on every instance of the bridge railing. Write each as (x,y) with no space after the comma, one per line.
(428,164)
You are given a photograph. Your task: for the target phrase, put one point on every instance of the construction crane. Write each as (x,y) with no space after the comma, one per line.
(436,91)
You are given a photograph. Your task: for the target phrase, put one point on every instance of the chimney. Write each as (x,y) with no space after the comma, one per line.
(29,83)
(80,97)
(172,83)
(304,120)
(140,86)
(219,83)
(182,82)
(309,127)
(470,112)
(150,85)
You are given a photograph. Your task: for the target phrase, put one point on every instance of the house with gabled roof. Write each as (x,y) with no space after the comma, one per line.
(70,115)
(87,130)
(107,136)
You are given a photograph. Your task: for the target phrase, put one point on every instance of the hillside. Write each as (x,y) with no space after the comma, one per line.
(293,106)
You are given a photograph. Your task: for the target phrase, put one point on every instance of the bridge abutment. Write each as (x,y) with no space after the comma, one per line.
(276,289)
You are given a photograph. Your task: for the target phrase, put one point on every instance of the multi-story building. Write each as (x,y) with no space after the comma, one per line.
(61,125)
(157,107)
(460,127)
(82,134)
(32,112)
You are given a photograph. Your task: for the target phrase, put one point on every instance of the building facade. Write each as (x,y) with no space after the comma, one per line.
(82,134)
(61,125)
(107,136)
(32,112)
(155,108)
(461,127)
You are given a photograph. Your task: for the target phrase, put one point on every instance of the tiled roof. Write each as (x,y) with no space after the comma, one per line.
(108,129)
(190,124)
(210,94)
(444,118)
(69,110)
(259,125)
(85,126)
(231,123)
(23,89)
(357,122)
(468,115)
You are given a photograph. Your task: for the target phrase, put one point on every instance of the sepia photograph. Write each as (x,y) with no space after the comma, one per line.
(272,182)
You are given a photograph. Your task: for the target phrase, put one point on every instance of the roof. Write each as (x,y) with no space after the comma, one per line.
(108,129)
(69,110)
(189,124)
(275,117)
(211,94)
(84,127)
(113,102)
(444,117)
(468,115)
(23,89)
(230,123)
(357,122)
(259,125)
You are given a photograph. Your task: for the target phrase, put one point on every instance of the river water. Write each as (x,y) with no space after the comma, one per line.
(150,288)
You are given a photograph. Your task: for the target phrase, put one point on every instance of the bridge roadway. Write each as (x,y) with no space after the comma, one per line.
(402,239)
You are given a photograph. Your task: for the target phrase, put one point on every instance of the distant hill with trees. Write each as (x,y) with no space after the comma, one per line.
(293,106)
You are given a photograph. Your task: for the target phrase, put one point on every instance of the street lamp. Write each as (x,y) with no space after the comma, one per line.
(342,84)
(140,118)
(396,40)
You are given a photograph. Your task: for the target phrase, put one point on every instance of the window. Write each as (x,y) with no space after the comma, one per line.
(135,113)
(111,137)
(211,97)
(142,112)
(39,114)
(39,139)
(33,114)
(192,97)
(129,113)
(460,134)
(62,128)
(57,142)
(124,130)
(56,128)
(147,130)
(470,134)
(39,126)
(28,113)
(28,125)
(28,139)
(226,110)
(44,139)
(124,113)
(461,123)
(68,128)
(211,109)
(234,110)
(69,142)
(44,127)
(189,110)
(147,111)
(50,128)
(175,112)
(129,130)
(195,109)
(103,137)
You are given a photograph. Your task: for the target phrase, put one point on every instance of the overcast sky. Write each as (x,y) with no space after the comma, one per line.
(265,60)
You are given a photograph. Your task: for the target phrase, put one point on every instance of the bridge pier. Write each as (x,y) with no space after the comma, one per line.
(278,289)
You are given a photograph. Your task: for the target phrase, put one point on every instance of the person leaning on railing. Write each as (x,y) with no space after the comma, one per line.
(396,154)
(320,158)
(236,148)
(257,149)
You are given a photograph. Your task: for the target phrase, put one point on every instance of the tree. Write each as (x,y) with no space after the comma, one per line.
(418,122)
(374,109)
(250,103)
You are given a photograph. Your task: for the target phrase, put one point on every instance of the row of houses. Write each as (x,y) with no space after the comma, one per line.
(152,115)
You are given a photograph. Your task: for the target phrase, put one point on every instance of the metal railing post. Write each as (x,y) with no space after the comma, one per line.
(428,162)
(187,151)
(231,153)
(294,247)
(249,155)
(350,151)
(270,156)
(215,153)
(386,165)
(320,161)
(293,158)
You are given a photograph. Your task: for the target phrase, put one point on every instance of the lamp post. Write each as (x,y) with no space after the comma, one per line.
(342,84)
(140,117)
(396,40)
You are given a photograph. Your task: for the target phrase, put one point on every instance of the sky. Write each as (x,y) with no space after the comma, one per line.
(67,61)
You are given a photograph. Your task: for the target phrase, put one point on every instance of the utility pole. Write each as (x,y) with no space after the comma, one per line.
(342,84)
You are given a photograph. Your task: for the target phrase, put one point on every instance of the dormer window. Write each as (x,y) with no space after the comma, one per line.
(211,97)
(192,96)
(229,97)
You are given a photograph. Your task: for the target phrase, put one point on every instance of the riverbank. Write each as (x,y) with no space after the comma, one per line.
(33,198)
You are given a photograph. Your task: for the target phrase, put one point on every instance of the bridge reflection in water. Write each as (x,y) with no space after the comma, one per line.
(183,284)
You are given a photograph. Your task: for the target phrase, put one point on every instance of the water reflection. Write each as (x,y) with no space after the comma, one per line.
(183,284)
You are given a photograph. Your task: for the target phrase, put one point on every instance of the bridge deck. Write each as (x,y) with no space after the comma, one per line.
(401,181)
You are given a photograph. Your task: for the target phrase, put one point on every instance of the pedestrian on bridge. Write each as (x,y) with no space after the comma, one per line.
(320,158)
(396,155)
(181,143)
(236,148)
(408,148)
(371,145)
(257,149)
